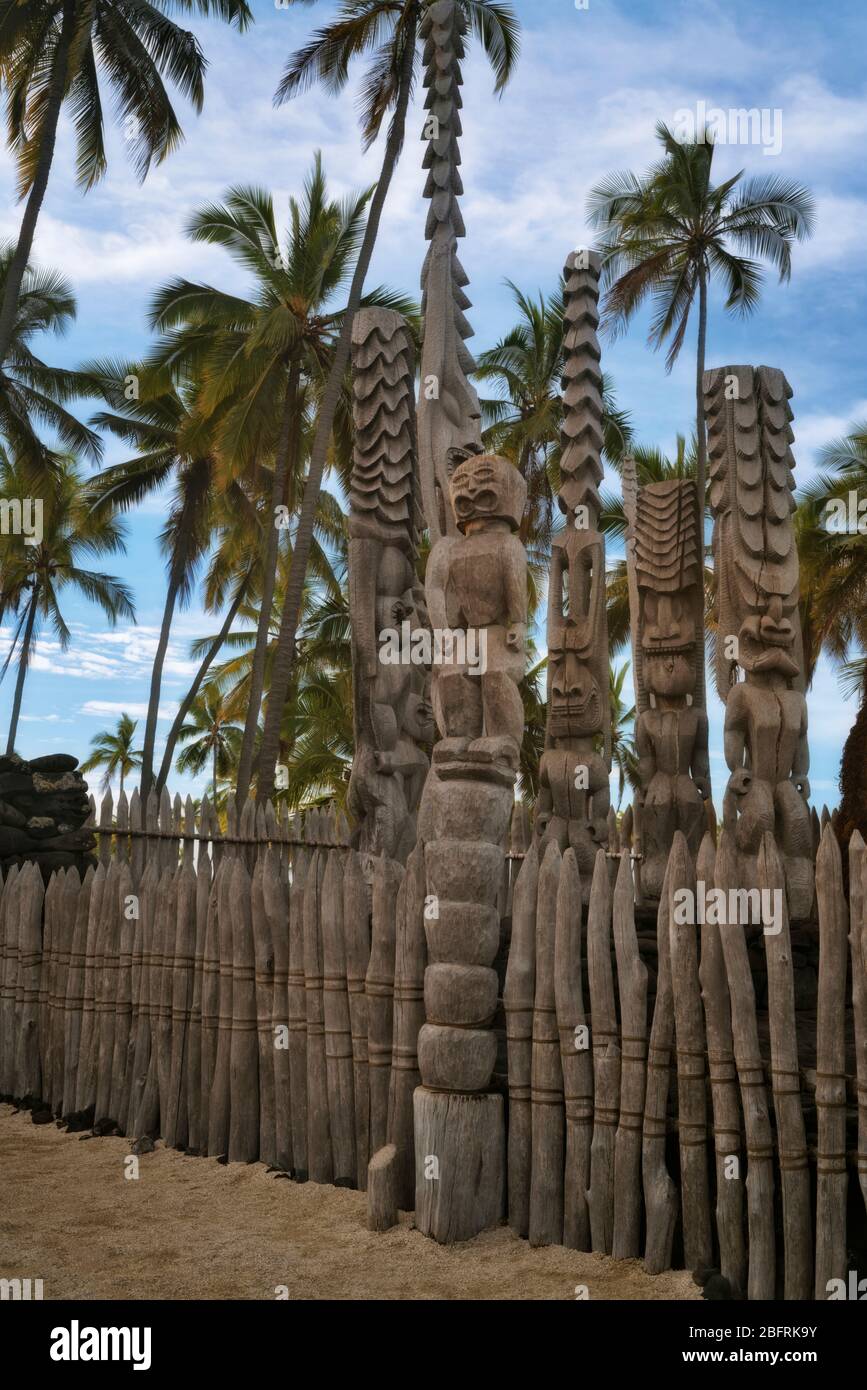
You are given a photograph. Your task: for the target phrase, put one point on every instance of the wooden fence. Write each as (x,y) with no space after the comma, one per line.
(257,993)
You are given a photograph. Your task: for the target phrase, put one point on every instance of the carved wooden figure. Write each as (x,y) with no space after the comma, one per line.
(391,710)
(574,799)
(671,728)
(756,561)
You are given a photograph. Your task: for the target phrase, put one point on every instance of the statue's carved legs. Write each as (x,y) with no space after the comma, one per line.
(795,838)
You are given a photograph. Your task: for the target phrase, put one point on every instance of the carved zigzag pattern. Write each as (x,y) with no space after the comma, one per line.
(581,434)
(666,536)
(752,470)
(384,484)
(443,28)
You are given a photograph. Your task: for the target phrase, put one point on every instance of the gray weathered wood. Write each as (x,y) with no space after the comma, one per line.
(382,1190)
(356,927)
(338,1032)
(632,980)
(409,1016)
(690,1039)
(319,1158)
(751,1080)
(244,1052)
(576,1056)
(518,999)
(379,988)
(832,1178)
(660,1194)
(275,898)
(606,1058)
(264,952)
(460,1164)
(297,1007)
(548,1112)
(724,1088)
(786,1082)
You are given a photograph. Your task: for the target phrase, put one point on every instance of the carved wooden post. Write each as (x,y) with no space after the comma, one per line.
(409,967)
(29,967)
(632,981)
(724,1088)
(549,1120)
(606,1058)
(832,1178)
(518,999)
(264,977)
(276,904)
(574,799)
(476,586)
(297,1008)
(786,1080)
(356,922)
(671,728)
(391,713)
(338,1034)
(690,1038)
(751,1079)
(660,1194)
(449,413)
(756,562)
(379,989)
(576,1056)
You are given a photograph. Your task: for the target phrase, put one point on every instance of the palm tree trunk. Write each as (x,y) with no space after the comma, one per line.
(193,691)
(120,793)
(215,773)
(22,671)
(150,736)
(284,656)
(287,443)
(18,264)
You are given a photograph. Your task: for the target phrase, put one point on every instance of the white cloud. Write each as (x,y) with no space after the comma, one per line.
(138,710)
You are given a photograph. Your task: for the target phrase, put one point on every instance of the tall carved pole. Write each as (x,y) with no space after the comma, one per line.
(390,692)
(574,798)
(758,587)
(477,590)
(668,635)
(448,413)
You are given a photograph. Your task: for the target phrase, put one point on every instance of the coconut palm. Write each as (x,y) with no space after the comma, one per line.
(35,575)
(113,750)
(210,737)
(173,445)
(261,360)
(666,234)
(387,30)
(624,755)
(56,51)
(33,395)
(834,589)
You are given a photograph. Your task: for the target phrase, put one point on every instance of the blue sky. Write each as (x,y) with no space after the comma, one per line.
(590,86)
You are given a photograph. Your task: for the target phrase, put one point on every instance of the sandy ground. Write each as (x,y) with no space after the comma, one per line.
(193,1228)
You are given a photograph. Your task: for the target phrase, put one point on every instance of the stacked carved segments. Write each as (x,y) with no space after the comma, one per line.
(672,727)
(756,558)
(582,437)
(391,714)
(574,801)
(449,412)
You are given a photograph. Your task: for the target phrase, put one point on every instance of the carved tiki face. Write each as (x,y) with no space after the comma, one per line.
(668,640)
(575,699)
(671,597)
(485,489)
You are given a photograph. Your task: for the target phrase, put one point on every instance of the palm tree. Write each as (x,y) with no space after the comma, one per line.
(210,737)
(624,756)
(34,576)
(388,30)
(666,234)
(113,750)
(33,395)
(173,443)
(834,591)
(261,359)
(54,51)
